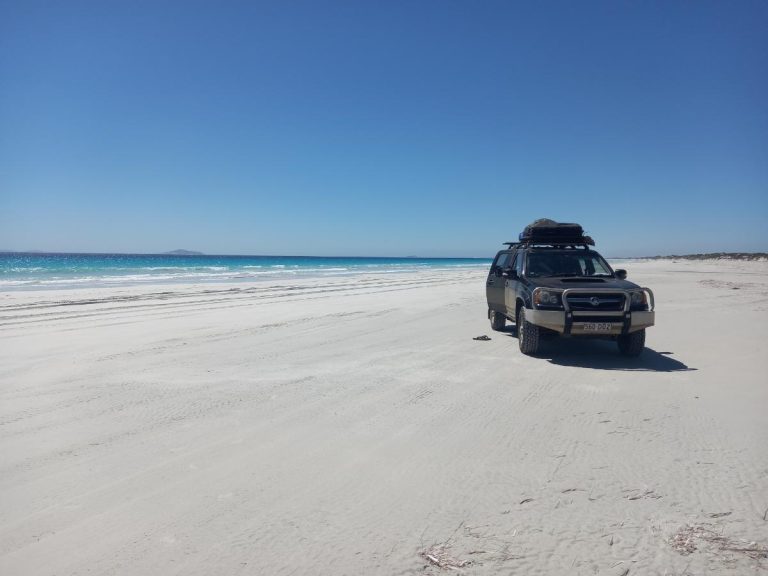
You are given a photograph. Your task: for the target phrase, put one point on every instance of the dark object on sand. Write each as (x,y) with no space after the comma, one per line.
(483,337)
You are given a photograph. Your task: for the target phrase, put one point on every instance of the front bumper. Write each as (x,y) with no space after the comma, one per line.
(558,321)
(582,323)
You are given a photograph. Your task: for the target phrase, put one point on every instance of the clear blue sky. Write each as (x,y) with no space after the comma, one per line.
(432,128)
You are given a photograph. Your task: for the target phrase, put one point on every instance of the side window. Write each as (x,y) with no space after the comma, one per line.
(520,256)
(503,260)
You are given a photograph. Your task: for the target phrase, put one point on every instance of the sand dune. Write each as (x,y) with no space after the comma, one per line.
(352,426)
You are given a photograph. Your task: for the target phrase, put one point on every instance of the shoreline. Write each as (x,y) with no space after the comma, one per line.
(287,276)
(153,270)
(43,272)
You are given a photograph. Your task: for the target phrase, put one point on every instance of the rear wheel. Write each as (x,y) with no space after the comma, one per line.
(497,320)
(632,344)
(528,335)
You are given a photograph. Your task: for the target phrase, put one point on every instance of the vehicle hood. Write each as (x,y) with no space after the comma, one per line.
(579,282)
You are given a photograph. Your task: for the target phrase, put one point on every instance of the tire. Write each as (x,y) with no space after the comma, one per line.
(528,335)
(497,320)
(632,344)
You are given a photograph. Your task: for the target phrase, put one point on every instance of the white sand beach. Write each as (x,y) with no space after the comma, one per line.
(353,426)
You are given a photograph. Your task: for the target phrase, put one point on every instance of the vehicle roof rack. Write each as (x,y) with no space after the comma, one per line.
(580,242)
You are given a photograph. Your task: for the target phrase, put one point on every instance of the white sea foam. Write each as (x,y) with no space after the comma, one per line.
(143,275)
(24,270)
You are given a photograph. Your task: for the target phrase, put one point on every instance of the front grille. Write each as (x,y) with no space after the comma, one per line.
(596,302)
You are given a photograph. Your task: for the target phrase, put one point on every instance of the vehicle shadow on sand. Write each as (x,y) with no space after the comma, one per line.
(603,355)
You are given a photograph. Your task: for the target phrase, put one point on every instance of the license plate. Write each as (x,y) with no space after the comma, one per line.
(597,327)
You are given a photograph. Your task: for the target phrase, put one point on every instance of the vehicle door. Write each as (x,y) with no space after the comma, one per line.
(514,284)
(494,286)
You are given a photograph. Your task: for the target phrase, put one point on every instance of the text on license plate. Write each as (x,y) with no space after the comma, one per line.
(597,326)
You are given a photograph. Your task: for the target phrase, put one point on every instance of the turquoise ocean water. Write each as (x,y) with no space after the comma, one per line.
(25,271)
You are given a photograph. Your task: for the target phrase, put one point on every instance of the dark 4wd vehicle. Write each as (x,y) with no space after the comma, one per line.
(553,285)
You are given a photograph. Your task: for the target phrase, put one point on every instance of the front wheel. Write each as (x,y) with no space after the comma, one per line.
(632,344)
(528,335)
(497,320)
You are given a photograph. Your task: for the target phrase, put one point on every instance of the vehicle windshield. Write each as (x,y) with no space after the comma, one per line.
(571,263)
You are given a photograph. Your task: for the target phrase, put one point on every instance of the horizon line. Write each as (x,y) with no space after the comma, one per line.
(196,254)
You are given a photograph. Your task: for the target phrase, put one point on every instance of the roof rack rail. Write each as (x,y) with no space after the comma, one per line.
(556,246)
(583,241)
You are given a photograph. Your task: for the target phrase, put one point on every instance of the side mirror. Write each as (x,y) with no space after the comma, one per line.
(497,271)
(621,274)
(510,273)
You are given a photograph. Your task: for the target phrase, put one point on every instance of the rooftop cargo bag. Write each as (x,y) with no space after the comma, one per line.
(544,230)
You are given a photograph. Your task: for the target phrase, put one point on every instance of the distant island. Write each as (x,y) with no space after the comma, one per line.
(181,252)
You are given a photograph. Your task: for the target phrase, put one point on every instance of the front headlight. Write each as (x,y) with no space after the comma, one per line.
(547,298)
(639,298)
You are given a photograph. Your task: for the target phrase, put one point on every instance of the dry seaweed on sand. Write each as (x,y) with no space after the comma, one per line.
(439,555)
(688,538)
